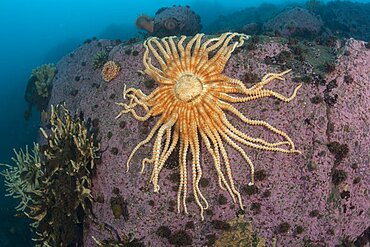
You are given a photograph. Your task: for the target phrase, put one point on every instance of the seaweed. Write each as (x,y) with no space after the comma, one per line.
(53,182)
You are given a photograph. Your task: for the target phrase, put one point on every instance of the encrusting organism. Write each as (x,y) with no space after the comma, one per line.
(44,76)
(110,71)
(190,101)
(39,86)
(53,182)
(100,58)
(240,232)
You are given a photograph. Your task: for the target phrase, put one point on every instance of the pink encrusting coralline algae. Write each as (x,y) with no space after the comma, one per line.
(318,197)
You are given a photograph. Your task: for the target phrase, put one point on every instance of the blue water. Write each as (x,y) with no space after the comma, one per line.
(37,32)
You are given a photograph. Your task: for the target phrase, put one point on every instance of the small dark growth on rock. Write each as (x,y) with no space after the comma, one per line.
(316,99)
(221,199)
(338,176)
(204,182)
(348,79)
(345,194)
(180,238)
(220,225)
(249,189)
(95,122)
(340,151)
(299,230)
(163,231)
(356,180)
(266,194)
(260,175)
(256,207)
(114,151)
(74,92)
(122,124)
(283,227)
(314,213)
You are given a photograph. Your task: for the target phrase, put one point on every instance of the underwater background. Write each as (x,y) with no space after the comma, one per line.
(41,32)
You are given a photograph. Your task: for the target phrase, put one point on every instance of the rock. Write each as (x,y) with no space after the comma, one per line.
(177,20)
(348,19)
(251,28)
(298,199)
(295,22)
(245,19)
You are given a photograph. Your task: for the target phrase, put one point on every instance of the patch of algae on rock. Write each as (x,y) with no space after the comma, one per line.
(53,181)
(240,234)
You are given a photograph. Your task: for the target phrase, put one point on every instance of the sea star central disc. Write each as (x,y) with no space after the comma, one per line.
(188,87)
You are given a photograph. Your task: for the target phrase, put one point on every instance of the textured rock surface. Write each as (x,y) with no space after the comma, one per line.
(240,19)
(177,20)
(348,19)
(295,21)
(319,197)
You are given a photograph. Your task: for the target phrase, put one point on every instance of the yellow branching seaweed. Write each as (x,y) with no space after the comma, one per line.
(44,76)
(53,182)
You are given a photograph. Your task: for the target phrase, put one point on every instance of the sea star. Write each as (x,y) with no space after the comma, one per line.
(190,100)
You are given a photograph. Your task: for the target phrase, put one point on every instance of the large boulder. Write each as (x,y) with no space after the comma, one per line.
(318,197)
(294,22)
(176,20)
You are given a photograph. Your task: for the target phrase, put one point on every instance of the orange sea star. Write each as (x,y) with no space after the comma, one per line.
(190,100)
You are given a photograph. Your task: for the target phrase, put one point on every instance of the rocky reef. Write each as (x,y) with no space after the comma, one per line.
(168,21)
(243,19)
(315,18)
(317,198)
(295,22)
(347,19)
(176,20)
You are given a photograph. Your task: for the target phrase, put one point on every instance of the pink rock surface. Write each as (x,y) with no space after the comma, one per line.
(292,192)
